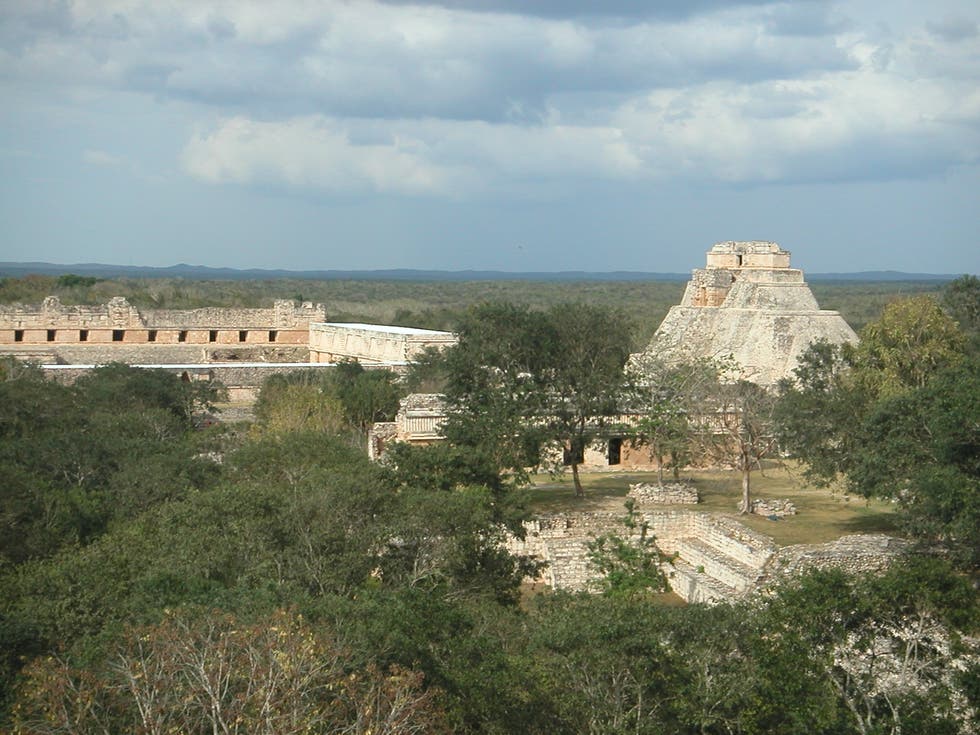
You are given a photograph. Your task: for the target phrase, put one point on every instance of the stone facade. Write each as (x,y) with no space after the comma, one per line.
(118,332)
(749,304)
(372,343)
(417,422)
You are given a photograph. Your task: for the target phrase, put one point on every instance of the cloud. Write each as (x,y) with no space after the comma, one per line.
(587,8)
(465,98)
(366,59)
(954,29)
(838,127)
(101,158)
(312,153)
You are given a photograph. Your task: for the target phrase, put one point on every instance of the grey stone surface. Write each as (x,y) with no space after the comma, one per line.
(749,305)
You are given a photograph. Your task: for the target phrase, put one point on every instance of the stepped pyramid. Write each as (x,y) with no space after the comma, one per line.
(748,303)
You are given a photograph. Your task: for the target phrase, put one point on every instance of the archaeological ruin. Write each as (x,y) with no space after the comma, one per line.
(239,347)
(747,304)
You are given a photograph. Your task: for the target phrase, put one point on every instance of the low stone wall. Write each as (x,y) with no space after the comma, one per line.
(857,554)
(674,493)
(772,507)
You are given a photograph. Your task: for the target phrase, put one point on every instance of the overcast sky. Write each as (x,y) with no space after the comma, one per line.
(492,134)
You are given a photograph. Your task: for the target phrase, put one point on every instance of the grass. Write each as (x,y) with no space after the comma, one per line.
(822,514)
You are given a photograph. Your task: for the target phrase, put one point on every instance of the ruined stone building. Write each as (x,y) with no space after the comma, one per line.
(239,347)
(372,343)
(119,332)
(749,304)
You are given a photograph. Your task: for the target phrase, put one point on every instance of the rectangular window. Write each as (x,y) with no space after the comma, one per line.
(242,335)
(18,335)
(272,335)
(151,336)
(51,334)
(182,335)
(83,335)
(118,334)
(213,335)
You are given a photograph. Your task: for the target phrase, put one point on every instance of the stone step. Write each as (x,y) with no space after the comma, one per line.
(692,585)
(726,569)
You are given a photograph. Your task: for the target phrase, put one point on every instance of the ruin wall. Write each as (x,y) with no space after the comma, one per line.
(117,331)
(710,558)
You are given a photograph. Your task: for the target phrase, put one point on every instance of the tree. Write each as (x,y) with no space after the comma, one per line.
(911,340)
(586,387)
(673,395)
(495,385)
(216,673)
(518,378)
(896,417)
(961,300)
(367,396)
(630,565)
(735,425)
(889,647)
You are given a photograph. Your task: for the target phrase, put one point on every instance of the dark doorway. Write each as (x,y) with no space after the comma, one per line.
(615,453)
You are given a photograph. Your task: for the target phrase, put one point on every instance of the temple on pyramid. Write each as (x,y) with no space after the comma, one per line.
(747,303)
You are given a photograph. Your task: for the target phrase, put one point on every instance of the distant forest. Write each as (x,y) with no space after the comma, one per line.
(431,304)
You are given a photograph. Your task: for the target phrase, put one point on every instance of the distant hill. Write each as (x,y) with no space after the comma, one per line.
(200,272)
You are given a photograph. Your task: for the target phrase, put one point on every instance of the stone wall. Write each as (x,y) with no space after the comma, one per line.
(375,343)
(711,558)
(117,331)
(857,554)
(674,493)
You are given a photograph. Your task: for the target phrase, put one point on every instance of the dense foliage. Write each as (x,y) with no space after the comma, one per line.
(898,417)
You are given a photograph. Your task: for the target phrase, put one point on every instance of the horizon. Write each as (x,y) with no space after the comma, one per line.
(490,135)
(202,272)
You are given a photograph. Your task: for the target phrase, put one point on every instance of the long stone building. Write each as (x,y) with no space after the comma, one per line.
(239,347)
(749,304)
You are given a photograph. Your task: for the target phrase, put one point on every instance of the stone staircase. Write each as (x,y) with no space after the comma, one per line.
(568,564)
(703,573)
(717,560)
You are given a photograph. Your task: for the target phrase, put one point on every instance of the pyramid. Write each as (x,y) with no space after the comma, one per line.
(749,304)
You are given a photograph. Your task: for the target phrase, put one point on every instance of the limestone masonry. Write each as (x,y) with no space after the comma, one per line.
(709,558)
(239,347)
(749,304)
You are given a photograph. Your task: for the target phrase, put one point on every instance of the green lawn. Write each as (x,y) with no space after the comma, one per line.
(823,515)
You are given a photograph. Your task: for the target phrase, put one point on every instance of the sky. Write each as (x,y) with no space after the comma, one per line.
(514,135)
